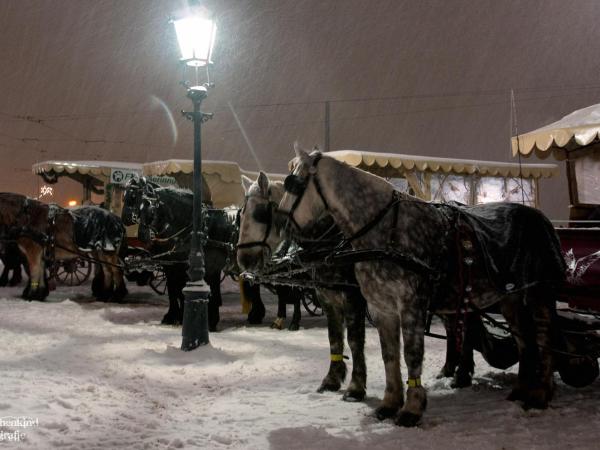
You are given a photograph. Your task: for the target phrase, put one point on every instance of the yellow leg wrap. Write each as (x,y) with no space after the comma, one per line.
(246,304)
(336,358)
(414,382)
(34,284)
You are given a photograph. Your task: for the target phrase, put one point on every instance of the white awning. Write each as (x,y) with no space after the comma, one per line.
(224,178)
(388,164)
(578,129)
(227,171)
(100,169)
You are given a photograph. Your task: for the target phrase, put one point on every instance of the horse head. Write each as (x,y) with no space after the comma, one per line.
(167,211)
(140,193)
(303,201)
(258,236)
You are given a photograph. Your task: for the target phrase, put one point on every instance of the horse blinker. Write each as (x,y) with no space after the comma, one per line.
(295,185)
(263,214)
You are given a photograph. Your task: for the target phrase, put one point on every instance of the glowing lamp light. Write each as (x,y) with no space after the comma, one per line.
(196,37)
(72,203)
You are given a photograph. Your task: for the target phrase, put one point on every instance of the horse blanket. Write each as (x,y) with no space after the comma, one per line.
(518,244)
(97,229)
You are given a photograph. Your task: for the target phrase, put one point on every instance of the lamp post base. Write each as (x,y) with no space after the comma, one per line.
(195,315)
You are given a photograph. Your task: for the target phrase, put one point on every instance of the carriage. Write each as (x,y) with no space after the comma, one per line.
(575,140)
(102,183)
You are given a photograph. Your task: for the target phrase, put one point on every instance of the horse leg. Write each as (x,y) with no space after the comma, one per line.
(15,265)
(37,288)
(17,276)
(98,283)
(214,302)
(466,365)
(4,276)
(413,334)
(332,306)
(282,293)
(295,294)
(452,355)
(388,327)
(107,278)
(257,312)
(355,311)
(174,315)
(542,309)
(119,288)
(521,326)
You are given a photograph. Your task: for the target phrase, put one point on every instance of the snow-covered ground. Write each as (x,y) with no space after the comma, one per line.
(99,375)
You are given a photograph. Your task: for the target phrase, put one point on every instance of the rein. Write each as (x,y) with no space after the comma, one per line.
(173,236)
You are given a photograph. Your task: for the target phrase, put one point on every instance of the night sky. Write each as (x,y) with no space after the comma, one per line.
(94,79)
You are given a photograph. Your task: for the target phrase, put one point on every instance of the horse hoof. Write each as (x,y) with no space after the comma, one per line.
(329,386)
(168,319)
(407,419)
(277,324)
(445,373)
(536,399)
(517,394)
(354,396)
(385,412)
(119,295)
(461,381)
(294,327)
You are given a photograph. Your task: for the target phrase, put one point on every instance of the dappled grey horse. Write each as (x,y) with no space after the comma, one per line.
(259,236)
(418,244)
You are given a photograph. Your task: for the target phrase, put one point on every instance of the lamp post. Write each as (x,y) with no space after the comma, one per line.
(196,36)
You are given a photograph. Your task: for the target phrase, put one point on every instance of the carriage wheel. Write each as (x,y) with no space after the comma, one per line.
(158,282)
(311,302)
(72,272)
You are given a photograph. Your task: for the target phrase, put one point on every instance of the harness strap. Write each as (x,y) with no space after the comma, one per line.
(167,239)
(316,180)
(396,199)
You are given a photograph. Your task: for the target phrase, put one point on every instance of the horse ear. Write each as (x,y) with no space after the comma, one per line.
(263,182)
(300,152)
(246,183)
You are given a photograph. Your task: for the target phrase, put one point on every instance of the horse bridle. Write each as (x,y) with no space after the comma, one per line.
(147,193)
(297,186)
(263,214)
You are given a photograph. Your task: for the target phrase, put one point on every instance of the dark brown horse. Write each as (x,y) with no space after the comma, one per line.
(45,233)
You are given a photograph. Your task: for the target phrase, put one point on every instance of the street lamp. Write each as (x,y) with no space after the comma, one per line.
(196,36)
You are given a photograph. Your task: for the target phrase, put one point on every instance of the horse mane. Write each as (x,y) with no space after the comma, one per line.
(176,190)
(276,191)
